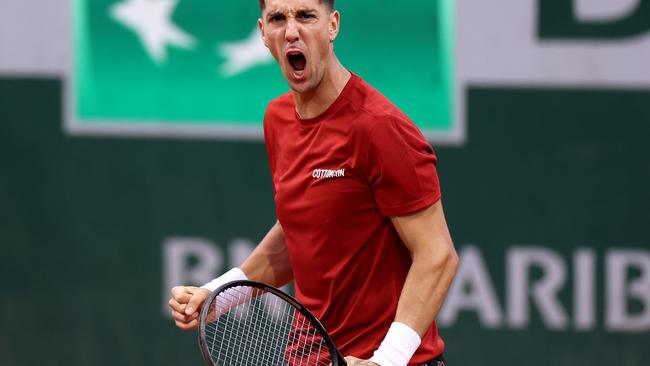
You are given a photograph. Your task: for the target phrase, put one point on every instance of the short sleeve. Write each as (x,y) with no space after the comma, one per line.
(401,168)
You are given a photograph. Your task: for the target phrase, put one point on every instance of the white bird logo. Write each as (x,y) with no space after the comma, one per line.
(151,20)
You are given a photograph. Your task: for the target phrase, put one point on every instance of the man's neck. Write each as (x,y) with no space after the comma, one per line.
(314,102)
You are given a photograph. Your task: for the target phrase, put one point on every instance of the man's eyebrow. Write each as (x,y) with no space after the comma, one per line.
(273,14)
(306,11)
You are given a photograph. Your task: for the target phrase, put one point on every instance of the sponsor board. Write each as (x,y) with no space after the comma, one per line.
(623,300)
(190,69)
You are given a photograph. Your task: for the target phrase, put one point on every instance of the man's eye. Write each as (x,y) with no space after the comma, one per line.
(276,18)
(306,16)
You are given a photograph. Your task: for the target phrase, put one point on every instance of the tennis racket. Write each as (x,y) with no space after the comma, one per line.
(249,323)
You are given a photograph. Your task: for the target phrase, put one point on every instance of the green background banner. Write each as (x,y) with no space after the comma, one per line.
(122,80)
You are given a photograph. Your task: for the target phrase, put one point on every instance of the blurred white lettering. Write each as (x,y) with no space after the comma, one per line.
(584,301)
(620,290)
(544,291)
(472,290)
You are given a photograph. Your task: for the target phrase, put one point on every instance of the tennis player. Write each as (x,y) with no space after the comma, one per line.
(360,229)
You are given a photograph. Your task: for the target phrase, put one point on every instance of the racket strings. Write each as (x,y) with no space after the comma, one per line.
(298,341)
(255,327)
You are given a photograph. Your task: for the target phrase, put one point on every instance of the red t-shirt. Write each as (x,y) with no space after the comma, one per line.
(337,180)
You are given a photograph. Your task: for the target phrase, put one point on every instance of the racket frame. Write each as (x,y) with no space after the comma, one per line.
(337,357)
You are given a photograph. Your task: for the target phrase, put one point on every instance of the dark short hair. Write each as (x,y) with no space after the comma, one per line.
(329,3)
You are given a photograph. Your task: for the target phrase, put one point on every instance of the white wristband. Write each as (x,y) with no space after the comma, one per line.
(234,274)
(398,346)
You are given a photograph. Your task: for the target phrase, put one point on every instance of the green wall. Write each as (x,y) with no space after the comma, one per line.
(83,220)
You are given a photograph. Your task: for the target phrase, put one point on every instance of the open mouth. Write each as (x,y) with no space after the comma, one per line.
(297,60)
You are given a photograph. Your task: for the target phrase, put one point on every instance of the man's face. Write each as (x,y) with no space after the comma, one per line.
(299,34)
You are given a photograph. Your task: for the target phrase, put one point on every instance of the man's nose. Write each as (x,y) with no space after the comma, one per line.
(292,33)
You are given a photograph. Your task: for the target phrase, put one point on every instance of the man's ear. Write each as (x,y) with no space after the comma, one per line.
(335,24)
(260,25)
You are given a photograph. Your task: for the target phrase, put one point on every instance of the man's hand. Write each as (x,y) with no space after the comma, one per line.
(353,361)
(186,304)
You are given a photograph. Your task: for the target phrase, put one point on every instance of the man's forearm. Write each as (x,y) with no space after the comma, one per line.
(425,288)
(434,265)
(269,261)
(432,270)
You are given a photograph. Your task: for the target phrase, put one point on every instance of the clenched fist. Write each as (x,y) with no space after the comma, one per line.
(186,302)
